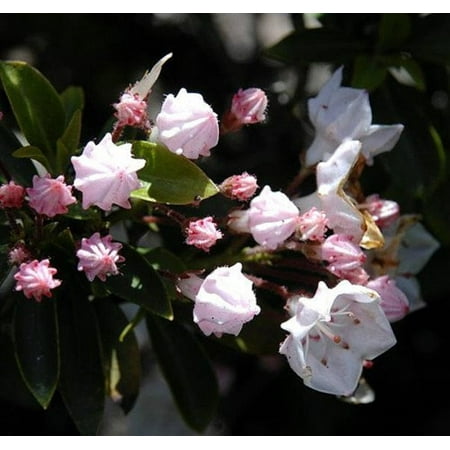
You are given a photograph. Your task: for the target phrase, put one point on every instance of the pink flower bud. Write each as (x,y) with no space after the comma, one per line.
(187,125)
(344,258)
(35,279)
(384,212)
(224,300)
(132,111)
(11,195)
(238,221)
(50,196)
(203,233)
(240,187)
(272,218)
(106,174)
(313,225)
(249,105)
(19,254)
(98,256)
(394,302)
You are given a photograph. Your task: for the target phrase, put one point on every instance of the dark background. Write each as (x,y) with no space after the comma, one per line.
(103,53)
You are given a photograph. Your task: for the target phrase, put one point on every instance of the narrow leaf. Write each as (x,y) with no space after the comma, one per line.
(35,153)
(81,382)
(170,178)
(36,346)
(186,369)
(121,357)
(35,103)
(72,100)
(138,282)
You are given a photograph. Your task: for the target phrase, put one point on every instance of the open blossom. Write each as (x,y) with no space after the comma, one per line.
(224,300)
(11,195)
(272,218)
(332,334)
(106,174)
(342,113)
(35,279)
(313,225)
(240,187)
(393,301)
(50,196)
(344,258)
(203,233)
(98,256)
(187,125)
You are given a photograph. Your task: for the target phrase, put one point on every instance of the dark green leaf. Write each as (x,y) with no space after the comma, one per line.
(36,345)
(81,381)
(186,369)
(35,103)
(393,31)
(316,45)
(161,258)
(367,73)
(72,100)
(121,357)
(32,152)
(68,143)
(139,283)
(20,170)
(170,178)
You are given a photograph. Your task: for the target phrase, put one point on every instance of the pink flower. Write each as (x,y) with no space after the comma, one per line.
(345,259)
(238,221)
(106,174)
(132,111)
(224,300)
(187,125)
(50,196)
(384,212)
(240,187)
(272,218)
(11,195)
(98,256)
(313,225)
(203,233)
(35,279)
(394,302)
(19,254)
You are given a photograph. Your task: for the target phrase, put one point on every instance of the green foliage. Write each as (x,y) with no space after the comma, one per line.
(170,178)
(186,369)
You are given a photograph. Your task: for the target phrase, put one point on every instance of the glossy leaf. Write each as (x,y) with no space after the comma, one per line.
(72,100)
(161,258)
(36,344)
(316,45)
(138,282)
(68,143)
(81,382)
(20,170)
(170,178)
(32,152)
(35,103)
(121,357)
(186,369)
(368,73)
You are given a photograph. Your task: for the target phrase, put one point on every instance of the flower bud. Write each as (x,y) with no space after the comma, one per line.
(394,302)
(224,301)
(240,187)
(132,111)
(50,196)
(35,279)
(272,218)
(187,125)
(345,259)
(11,195)
(203,233)
(313,225)
(384,212)
(238,221)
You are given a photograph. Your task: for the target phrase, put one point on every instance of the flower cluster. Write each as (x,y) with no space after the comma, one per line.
(357,252)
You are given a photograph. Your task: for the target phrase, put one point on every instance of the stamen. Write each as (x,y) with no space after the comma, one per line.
(328,333)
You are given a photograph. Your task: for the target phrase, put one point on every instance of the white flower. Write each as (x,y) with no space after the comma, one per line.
(106,174)
(342,113)
(333,333)
(224,300)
